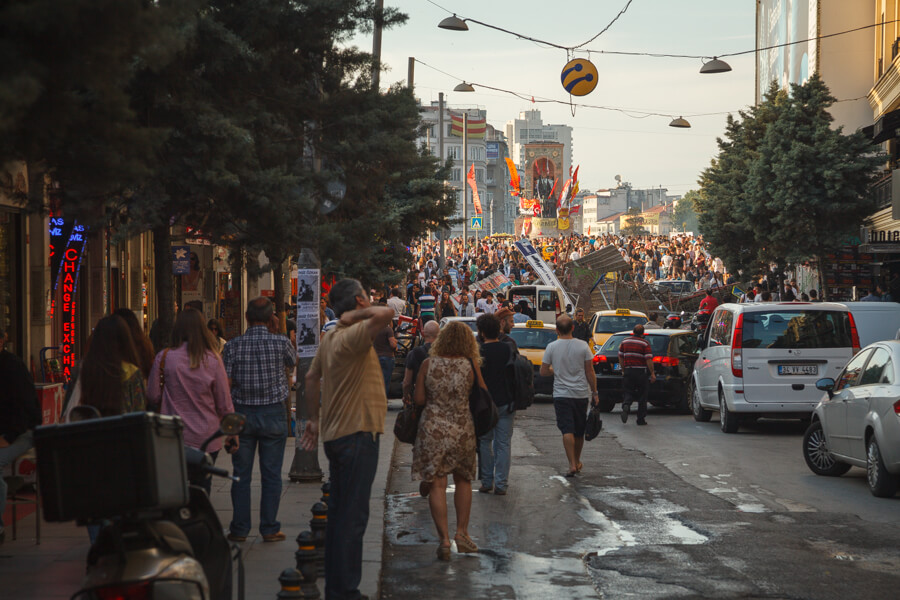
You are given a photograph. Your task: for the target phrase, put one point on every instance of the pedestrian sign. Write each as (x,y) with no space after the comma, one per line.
(476,222)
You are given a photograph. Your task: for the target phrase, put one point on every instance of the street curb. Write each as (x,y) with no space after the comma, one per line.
(384,515)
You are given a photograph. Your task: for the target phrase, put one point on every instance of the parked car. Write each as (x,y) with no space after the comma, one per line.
(857,422)
(763,360)
(674,353)
(676,287)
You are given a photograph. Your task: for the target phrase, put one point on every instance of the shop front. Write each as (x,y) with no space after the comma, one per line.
(12,278)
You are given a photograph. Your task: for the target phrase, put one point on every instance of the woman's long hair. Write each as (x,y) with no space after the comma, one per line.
(456,340)
(102,376)
(190,328)
(142,344)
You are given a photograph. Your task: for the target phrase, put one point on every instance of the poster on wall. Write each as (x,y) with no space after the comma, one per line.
(308,326)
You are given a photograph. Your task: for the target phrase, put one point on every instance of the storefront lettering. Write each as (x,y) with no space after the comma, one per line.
(71,264)
(882,237)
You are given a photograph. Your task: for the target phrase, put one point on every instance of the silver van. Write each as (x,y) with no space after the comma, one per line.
(763,360)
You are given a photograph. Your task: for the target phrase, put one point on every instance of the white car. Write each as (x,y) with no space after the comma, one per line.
(467,321)
(763,360)
(858,422)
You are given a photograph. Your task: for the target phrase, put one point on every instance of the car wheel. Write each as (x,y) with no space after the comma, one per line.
(606,405)
(684,403)
(701,414)
(881,483)
(728,421)
(816,454)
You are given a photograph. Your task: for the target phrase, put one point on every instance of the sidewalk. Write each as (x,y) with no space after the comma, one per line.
(54,569)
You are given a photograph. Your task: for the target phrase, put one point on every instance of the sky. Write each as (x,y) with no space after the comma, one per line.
(644,151)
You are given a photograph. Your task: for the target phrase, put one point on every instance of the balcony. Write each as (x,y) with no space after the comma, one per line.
(881,190)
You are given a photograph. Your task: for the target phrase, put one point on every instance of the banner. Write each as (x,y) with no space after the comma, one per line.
(470,178)
(477,127)
(543,270)
(514,182)
(308,327)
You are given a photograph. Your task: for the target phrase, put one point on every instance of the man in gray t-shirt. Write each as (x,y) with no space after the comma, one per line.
(568,360)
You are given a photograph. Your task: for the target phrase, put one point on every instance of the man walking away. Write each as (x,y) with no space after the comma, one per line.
(636,358)
(255,363)
(353,407)
(569,362)
(416,357)
(396,302)
(581,330)
(19,414)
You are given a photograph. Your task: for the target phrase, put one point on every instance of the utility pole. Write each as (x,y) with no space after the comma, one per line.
(465,182)
(376,44)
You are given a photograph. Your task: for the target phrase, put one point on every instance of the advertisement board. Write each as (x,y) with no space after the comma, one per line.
(785,22)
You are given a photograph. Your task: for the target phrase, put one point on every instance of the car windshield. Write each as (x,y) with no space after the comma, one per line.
(676,286)
(532,339)
(470,323)
(658,343)
(796,329)
(614,323)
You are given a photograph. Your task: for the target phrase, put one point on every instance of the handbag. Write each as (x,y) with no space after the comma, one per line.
(156,407)
(407,424)
(594,423)
(481,405)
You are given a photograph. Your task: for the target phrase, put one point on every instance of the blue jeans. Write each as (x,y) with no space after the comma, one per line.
(266,428)
(387,367)
(8,456)
(494,448)
(352,461)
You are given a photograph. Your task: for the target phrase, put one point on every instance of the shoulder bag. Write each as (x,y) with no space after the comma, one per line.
(481,405)
(407,424)
(156,407)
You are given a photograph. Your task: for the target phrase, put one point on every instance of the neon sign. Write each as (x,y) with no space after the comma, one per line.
(67,278)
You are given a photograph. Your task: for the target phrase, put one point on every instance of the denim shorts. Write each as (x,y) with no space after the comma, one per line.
(571,415)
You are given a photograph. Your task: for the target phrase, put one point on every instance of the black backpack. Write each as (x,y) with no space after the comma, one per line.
(522,373)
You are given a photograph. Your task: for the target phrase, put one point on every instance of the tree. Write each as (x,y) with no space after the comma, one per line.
(684,217)
(809,183)
(634,222)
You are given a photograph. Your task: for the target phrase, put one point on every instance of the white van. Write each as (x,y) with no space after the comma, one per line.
(545,302)
(759,360)
(875,321)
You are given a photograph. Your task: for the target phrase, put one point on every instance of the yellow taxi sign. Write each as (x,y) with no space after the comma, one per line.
(623,311)
(534,323)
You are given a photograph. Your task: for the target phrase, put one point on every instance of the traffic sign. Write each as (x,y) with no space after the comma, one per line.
(476,223)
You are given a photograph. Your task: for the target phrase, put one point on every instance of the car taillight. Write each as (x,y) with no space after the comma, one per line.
(666,361)
(129,591)
(897,407)
(854,334)
(599,358)
(737,358)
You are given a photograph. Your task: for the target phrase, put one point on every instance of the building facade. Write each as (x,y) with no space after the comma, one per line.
(529,128)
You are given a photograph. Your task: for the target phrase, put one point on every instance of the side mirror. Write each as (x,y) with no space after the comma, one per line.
(826,384)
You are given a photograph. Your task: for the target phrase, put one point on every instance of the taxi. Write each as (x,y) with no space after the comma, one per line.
(547,252)
(532,338)
(604,323)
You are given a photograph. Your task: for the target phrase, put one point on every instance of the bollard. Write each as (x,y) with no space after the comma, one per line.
(326,493)
(290,584)
(306,564)
(318,524)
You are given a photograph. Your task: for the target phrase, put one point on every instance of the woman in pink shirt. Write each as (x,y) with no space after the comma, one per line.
(188,379)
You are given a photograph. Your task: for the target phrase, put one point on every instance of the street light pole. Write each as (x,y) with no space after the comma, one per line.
(440,231)
(465,182)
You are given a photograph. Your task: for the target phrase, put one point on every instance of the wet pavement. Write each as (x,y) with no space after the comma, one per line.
(628,527)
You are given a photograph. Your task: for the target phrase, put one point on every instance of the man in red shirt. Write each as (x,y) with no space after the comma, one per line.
(636,358)
(709,303)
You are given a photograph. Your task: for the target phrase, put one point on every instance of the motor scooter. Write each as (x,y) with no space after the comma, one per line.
(178,553)
(700,320)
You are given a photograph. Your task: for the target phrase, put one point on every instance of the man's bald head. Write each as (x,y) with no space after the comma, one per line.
(430,331)
(564,324)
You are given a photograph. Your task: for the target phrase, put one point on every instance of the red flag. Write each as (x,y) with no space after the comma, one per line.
(514,182)
(553,189)
(477,126)
(470,178)
(537,209)
(575,210)
(562,195)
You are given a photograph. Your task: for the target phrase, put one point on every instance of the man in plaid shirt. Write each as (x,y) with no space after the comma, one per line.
(255,363)
(636,358)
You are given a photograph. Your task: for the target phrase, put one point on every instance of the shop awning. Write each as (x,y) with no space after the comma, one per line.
(884,128)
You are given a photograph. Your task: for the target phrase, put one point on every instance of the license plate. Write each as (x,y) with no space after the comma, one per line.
(617,367)
(798,370)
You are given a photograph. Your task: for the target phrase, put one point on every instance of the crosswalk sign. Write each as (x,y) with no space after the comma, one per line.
(476,222)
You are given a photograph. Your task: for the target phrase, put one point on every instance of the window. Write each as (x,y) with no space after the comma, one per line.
(687,344)
(875,367)
(546,300)
(455,174)
(454,152)
(887,377)
(720,328)
(793,329)
(479,175)
(850,376)
(476,153)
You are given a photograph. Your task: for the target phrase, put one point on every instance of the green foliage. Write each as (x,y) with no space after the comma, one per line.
(684,217)
(785,186)
(634,223)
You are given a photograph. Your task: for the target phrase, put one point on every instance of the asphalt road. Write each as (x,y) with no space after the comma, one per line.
(676,509)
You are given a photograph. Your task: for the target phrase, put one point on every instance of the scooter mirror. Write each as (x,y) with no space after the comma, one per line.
(83,413)
(232,423)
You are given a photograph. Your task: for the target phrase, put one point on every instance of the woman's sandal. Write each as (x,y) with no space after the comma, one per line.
(443,553)
(464,544)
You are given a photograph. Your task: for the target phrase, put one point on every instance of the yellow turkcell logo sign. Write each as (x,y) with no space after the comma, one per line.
(579,77)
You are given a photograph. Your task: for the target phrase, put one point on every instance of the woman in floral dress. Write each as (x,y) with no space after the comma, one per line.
(445,443)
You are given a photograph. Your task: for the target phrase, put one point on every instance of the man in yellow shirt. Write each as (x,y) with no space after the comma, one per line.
(353,408)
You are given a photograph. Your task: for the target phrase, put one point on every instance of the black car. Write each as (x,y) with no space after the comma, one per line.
(674,354)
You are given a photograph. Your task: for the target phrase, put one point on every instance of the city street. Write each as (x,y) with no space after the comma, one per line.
(674,509)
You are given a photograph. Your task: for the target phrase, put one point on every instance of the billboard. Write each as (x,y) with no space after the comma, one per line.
(782,22)
(492,150)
